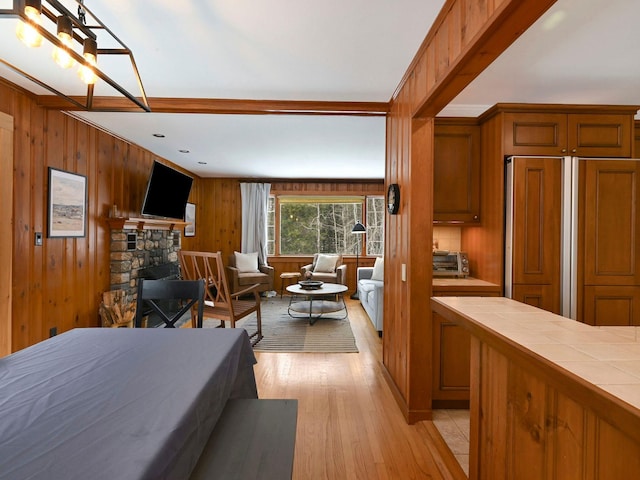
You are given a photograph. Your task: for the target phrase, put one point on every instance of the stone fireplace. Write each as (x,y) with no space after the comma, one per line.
(143,248)
(150,254)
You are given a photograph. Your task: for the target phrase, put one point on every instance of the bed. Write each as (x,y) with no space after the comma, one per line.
(118,403)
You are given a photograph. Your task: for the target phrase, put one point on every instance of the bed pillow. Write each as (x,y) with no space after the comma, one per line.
(326,263)
(247,262)
(378,269)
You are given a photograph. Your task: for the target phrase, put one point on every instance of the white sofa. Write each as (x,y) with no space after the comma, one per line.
(370,293)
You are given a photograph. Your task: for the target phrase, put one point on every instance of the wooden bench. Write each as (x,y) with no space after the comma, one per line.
(253,439)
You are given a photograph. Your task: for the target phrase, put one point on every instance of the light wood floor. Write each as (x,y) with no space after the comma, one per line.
(349,425)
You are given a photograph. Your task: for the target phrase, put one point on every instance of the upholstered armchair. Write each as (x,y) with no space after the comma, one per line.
(243,271)
(327,268)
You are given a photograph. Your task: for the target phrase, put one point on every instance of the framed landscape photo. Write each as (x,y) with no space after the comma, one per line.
(190,218)
(67,204)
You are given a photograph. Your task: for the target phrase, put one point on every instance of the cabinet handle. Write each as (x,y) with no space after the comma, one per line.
(574,150)
(564,150)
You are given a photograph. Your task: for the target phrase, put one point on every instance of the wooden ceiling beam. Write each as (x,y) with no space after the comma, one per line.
(454,57)
(223,106)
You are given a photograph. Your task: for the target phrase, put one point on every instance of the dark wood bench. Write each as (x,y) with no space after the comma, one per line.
(253,439)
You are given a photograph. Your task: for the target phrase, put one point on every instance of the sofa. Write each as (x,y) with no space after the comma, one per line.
(370,293)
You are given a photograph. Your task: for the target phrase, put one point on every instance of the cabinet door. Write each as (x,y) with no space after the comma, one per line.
(546,297)
(612,305)
(535,134)
(537,222)
(609,194)
(600,135)
(451,357)
(456,185)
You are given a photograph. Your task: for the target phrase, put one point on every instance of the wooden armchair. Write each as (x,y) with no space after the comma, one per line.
(219,302)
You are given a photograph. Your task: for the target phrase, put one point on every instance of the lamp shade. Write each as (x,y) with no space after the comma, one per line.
(358,228)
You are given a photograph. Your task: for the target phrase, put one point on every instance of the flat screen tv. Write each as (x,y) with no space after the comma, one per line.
(167,192)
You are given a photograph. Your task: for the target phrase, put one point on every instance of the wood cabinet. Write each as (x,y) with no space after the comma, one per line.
(536,224)
(451,357)
(456,185)
(575,134)
(450,364)
(609,239)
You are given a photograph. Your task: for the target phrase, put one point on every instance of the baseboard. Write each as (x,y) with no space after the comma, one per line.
(410,416)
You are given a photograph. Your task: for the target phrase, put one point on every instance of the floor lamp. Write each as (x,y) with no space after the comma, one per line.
(357,229)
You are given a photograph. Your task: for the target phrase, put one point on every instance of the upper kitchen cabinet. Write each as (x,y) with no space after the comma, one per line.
(456,185)
(584,131)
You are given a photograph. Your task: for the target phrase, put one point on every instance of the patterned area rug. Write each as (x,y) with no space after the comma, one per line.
(285,334)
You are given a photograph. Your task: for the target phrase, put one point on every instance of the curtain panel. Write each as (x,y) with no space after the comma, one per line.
(255,198)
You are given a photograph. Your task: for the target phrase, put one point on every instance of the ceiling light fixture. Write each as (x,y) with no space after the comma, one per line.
(64,32)
(89,52)
(25,29)
(68,33)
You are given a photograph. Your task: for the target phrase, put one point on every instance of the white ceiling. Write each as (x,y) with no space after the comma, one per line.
(581,51)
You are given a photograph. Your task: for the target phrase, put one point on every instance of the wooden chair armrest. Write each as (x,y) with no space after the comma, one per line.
(246,290)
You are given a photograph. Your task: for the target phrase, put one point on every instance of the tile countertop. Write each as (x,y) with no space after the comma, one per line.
(461,282)
(606,357)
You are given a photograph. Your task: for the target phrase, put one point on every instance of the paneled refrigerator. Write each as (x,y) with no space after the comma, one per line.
(572,236)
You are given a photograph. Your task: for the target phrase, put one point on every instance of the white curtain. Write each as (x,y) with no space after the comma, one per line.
(255,199)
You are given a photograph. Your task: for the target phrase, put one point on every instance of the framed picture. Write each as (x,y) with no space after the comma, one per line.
(67,204)
(190,218)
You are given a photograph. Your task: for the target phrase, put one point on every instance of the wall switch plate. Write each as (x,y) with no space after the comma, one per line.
(404,272)
(38,239)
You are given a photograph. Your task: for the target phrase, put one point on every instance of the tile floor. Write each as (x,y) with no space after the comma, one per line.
(453,425)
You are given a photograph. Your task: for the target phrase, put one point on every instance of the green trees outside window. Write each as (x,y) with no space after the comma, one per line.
(323,225)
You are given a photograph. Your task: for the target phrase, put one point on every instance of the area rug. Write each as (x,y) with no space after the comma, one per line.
(281,333)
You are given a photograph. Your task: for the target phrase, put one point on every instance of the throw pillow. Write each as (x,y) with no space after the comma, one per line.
(378,269)
(247,262)
(326,263)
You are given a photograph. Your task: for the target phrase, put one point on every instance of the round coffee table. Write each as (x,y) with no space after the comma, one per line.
(316,303)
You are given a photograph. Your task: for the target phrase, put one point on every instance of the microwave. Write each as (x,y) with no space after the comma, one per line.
(450,264)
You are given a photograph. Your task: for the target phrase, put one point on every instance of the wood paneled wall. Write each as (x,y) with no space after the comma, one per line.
(219,217)
(58,285)
(464,39)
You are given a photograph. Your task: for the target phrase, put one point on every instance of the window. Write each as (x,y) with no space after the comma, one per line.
(271,225)
(375,225)
(318,224)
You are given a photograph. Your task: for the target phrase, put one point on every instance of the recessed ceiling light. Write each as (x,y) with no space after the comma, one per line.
(183,151)
(202,163)
(158,135)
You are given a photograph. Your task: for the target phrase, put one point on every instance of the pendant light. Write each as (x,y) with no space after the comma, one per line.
(89,51)
(65,32)
(25,30)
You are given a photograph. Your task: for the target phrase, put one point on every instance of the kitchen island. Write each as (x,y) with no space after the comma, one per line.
(550,397)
